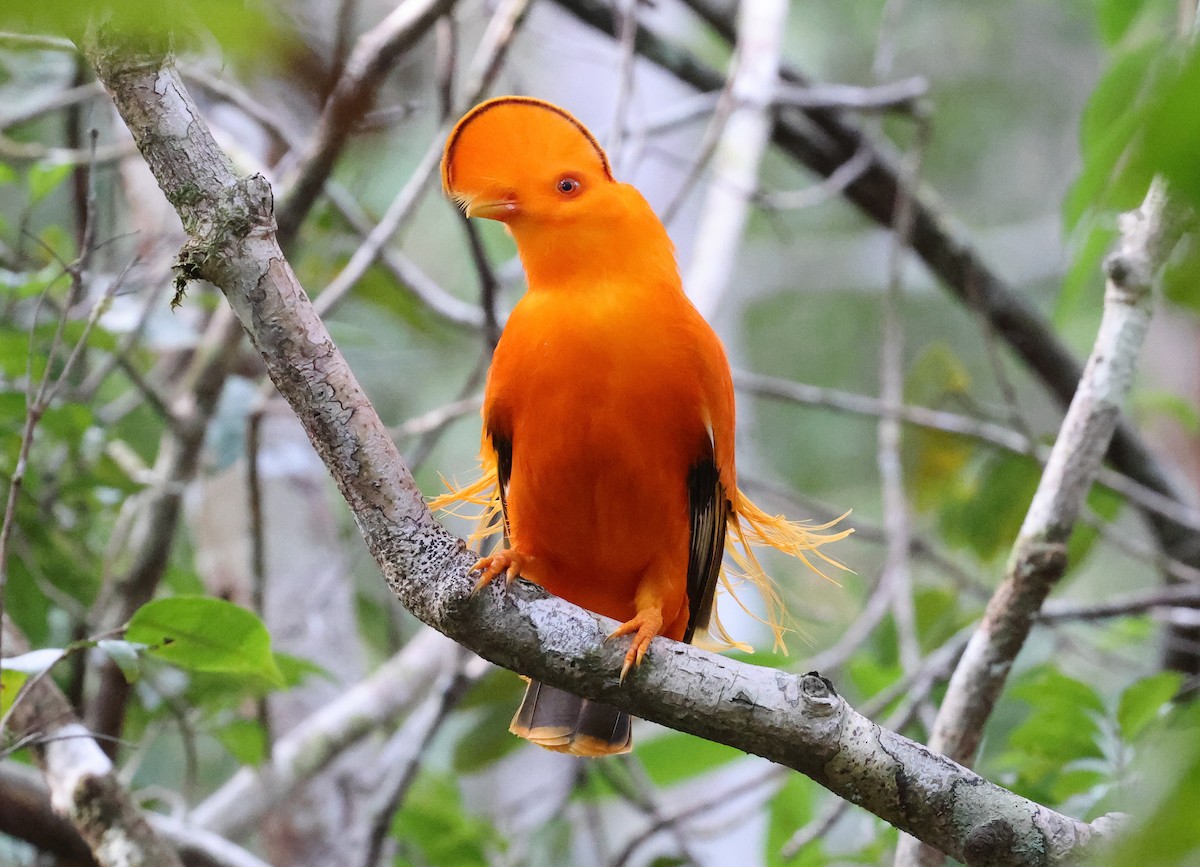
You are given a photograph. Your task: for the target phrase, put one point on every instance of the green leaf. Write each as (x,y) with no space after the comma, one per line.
(935,460)
(1113,18)
(245,740)
(239,27)
(1151,405)
(434,828)
(1181,274)
(8,174)
(1172,133)
(1061,727)
(870,676)
(296,669)
(1142,702)
(45,179)
(11,682)
(674,757)
(205,634)
(986,517)
(126,654)
(1085,277)
(1163,828)
(491,701)
(791,809)
(1115,171)
(1105,504)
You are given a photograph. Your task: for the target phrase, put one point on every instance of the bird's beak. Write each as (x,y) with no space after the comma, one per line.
(498,209)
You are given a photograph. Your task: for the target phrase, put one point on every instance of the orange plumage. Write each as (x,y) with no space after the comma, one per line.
(608,417)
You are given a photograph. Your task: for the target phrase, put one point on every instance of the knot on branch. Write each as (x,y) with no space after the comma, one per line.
(818,693)
(217,226)
(1039,561)
(1129,276)
(989,844)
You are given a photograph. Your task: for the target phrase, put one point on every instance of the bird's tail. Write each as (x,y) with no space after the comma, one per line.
(479,501)
(750,527)
(565,723)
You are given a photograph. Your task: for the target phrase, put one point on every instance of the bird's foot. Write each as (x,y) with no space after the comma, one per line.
(646,624)
(505,562)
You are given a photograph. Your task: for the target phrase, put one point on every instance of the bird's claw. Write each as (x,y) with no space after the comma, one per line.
(506,562)
(645,625)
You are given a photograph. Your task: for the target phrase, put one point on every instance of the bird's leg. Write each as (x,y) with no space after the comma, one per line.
(506,561)
(654,598)
(647,623)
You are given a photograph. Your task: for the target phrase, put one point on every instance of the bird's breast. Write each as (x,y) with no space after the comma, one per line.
(606,417)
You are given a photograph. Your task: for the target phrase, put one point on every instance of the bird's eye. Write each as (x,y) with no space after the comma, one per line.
(568,186)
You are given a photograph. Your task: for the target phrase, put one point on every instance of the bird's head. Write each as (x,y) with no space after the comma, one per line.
(534,167)
(525,161)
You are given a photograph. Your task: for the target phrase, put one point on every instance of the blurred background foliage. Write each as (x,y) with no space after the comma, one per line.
(1047,120)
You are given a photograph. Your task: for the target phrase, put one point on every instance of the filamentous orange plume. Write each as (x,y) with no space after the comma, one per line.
(608,418)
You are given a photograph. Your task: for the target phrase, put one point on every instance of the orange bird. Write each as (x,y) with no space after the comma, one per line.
(608,417)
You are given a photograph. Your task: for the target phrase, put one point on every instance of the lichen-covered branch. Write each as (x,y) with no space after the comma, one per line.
(26,814)
(798,721)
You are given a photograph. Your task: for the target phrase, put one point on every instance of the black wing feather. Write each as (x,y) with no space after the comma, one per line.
(710,508)
(503,447)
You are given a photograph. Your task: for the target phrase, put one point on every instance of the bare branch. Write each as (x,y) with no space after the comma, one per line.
(352,96)
(401,758)
(902,95)
(739,152)
(28,815)
(1039,559)
(994,434)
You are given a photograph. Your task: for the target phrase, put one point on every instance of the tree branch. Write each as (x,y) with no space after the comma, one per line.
(82,781)
(388,693)
(798,721)
(352,97)
(27,814)
(1039,556)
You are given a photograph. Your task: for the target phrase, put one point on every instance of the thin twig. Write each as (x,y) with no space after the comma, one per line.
(738,156)
(1124,605)
(821,192)
(626,45)
(896,520)
(903,95)
(721,799)
(485,65)
(403,753)
(374,54)
(36,406)
(988,432)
